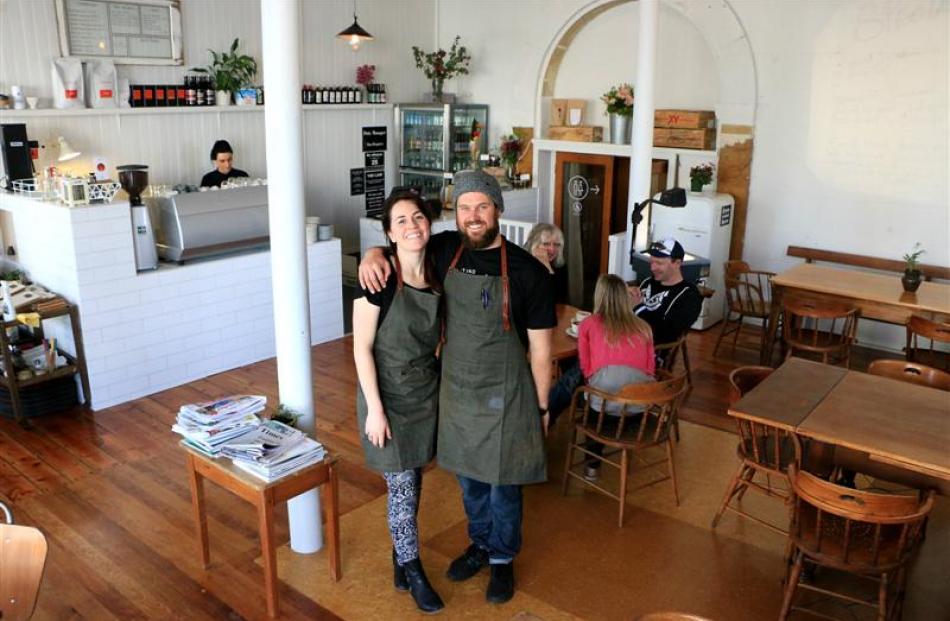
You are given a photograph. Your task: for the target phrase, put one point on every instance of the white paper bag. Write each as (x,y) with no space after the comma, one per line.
(68,91)
(101,86)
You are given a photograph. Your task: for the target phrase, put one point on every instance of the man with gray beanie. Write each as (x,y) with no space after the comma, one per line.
(493,401)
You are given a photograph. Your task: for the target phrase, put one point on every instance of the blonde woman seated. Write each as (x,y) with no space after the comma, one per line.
(546,243)
(615,348)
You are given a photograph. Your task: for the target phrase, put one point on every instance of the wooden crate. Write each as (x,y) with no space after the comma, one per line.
(558,112)
(581,133)
(704,139)
(684,119)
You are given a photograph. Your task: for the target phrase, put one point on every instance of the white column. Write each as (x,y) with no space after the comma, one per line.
(283,129)
(641,164)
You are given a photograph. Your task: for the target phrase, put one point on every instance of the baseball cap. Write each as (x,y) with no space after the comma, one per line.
(668,248)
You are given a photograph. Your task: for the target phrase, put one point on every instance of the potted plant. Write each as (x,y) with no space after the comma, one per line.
(286,415)
(365,74)
(229,71)
(701,175)
(440,65)
(510,151)
(911,277)
(619,100)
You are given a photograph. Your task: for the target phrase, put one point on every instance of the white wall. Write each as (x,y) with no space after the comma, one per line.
(851,111)
(176,146)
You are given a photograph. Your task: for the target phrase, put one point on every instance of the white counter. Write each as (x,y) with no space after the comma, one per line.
(147,332)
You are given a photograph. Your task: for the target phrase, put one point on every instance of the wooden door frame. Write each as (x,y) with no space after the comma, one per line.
(607,161)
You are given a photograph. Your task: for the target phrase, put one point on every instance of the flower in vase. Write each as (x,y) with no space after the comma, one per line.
(510,149)
(702,174)
(619,99)
(365,74)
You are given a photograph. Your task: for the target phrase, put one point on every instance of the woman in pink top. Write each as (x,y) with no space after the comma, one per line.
(613,335)
(615,348)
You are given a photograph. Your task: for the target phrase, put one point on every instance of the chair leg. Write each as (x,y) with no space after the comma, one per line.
(791,584)
(567,462)
(722,333)
(624,464)
(669,457)
(689,372)
(729,492)
(735,339)
(747,479)
(882,598)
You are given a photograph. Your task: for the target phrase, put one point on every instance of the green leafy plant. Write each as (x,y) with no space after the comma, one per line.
(510,148)
(11,275)
(912,258)
(702,173)
(229,70)
(619,99)
(286,415)
(441,65)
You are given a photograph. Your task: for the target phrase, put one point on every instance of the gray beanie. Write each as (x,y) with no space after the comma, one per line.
(478,181)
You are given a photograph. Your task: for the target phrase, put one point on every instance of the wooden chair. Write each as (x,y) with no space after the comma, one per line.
(762,449)
(862,533)
(669,353)
(920,329)
(911,372)
(627,432)
(748,294)
(821,329)
(671,616)
(22,559)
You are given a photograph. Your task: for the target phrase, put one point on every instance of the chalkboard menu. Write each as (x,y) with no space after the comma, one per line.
(132,32)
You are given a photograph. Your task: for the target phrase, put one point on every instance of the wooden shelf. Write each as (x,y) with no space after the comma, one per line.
(69,369)
(12,115)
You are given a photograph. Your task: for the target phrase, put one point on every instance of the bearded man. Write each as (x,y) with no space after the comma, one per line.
(493,401)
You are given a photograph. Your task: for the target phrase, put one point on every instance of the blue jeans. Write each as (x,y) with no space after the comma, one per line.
(559,398)
(494,517)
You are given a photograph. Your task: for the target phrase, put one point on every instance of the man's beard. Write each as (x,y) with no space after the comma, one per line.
(491,233)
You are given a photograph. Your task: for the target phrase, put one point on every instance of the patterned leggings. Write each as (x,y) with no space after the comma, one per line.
(405,488)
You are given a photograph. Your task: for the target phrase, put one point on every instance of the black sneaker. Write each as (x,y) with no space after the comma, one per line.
(469,564)
(501,585)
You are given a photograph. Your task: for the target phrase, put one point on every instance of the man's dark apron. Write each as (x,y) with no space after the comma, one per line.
(408,378)
(489,427)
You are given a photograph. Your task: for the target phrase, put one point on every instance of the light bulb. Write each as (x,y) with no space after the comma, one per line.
(355,42)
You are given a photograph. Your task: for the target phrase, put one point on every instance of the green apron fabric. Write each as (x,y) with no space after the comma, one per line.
(408,378)
(489,427)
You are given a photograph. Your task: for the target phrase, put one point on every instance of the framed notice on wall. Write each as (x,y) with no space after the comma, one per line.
(129,32)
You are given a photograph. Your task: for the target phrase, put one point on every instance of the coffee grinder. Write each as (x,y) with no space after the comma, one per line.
(134,179)
(15,148)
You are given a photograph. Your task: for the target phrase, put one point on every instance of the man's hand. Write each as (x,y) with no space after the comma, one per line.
(636,296)
(374,270)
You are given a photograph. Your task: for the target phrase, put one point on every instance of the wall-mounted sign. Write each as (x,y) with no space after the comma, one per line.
(130,32)
(374,159)
(374,138)
(374,201)
(357,186)
(375,180)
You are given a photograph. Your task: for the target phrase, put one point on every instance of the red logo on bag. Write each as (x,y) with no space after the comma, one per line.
(105,93)
(72,93)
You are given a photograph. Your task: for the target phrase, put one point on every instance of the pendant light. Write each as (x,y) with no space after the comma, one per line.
(355,35)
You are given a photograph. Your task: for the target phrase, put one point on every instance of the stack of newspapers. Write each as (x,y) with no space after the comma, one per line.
(208,426)
(272,450)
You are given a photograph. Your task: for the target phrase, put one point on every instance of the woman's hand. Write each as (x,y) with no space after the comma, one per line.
(542,255)
(377,428)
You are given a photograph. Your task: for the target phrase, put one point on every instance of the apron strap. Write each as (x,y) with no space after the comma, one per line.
(505,294)
(398,271)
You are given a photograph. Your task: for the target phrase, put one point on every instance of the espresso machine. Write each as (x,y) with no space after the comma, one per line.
(134,179)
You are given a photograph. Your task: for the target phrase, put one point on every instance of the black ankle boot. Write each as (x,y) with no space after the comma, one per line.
(399,575)
(422,592)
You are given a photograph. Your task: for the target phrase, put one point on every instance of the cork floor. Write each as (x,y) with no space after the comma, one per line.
(576,563)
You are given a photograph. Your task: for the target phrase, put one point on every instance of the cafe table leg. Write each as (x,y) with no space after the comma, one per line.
(331,500)
(765,357)
(265,516)
(196,482)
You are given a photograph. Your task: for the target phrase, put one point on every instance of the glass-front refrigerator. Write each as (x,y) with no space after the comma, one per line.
(436,140)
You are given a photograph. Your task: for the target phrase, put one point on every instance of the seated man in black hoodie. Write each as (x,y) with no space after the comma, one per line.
(222,155)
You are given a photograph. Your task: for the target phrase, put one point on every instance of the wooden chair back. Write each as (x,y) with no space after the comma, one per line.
(658,401)
(852,529)
(671,616)
(826,328)
(748,291)
(668,353)
(928,341)
(22,559)
(911,372)
(744,379)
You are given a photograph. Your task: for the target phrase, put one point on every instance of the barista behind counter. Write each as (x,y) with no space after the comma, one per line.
(222,155)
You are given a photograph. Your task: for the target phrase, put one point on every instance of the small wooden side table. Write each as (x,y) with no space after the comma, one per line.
(264,496)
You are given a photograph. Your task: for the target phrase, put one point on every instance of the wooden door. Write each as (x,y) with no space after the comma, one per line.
(583,202)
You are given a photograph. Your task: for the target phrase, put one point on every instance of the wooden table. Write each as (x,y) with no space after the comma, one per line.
(892,422)
(878,296)
(264,496)
(562,345)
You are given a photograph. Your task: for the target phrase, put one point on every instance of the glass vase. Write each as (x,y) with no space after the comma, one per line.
(437,84)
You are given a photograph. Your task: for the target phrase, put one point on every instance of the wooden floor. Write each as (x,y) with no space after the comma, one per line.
(109,491)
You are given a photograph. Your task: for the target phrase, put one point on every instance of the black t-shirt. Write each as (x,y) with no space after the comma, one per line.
(384,299)
(530,284)
(560,284)
(670,310)
(215,178)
